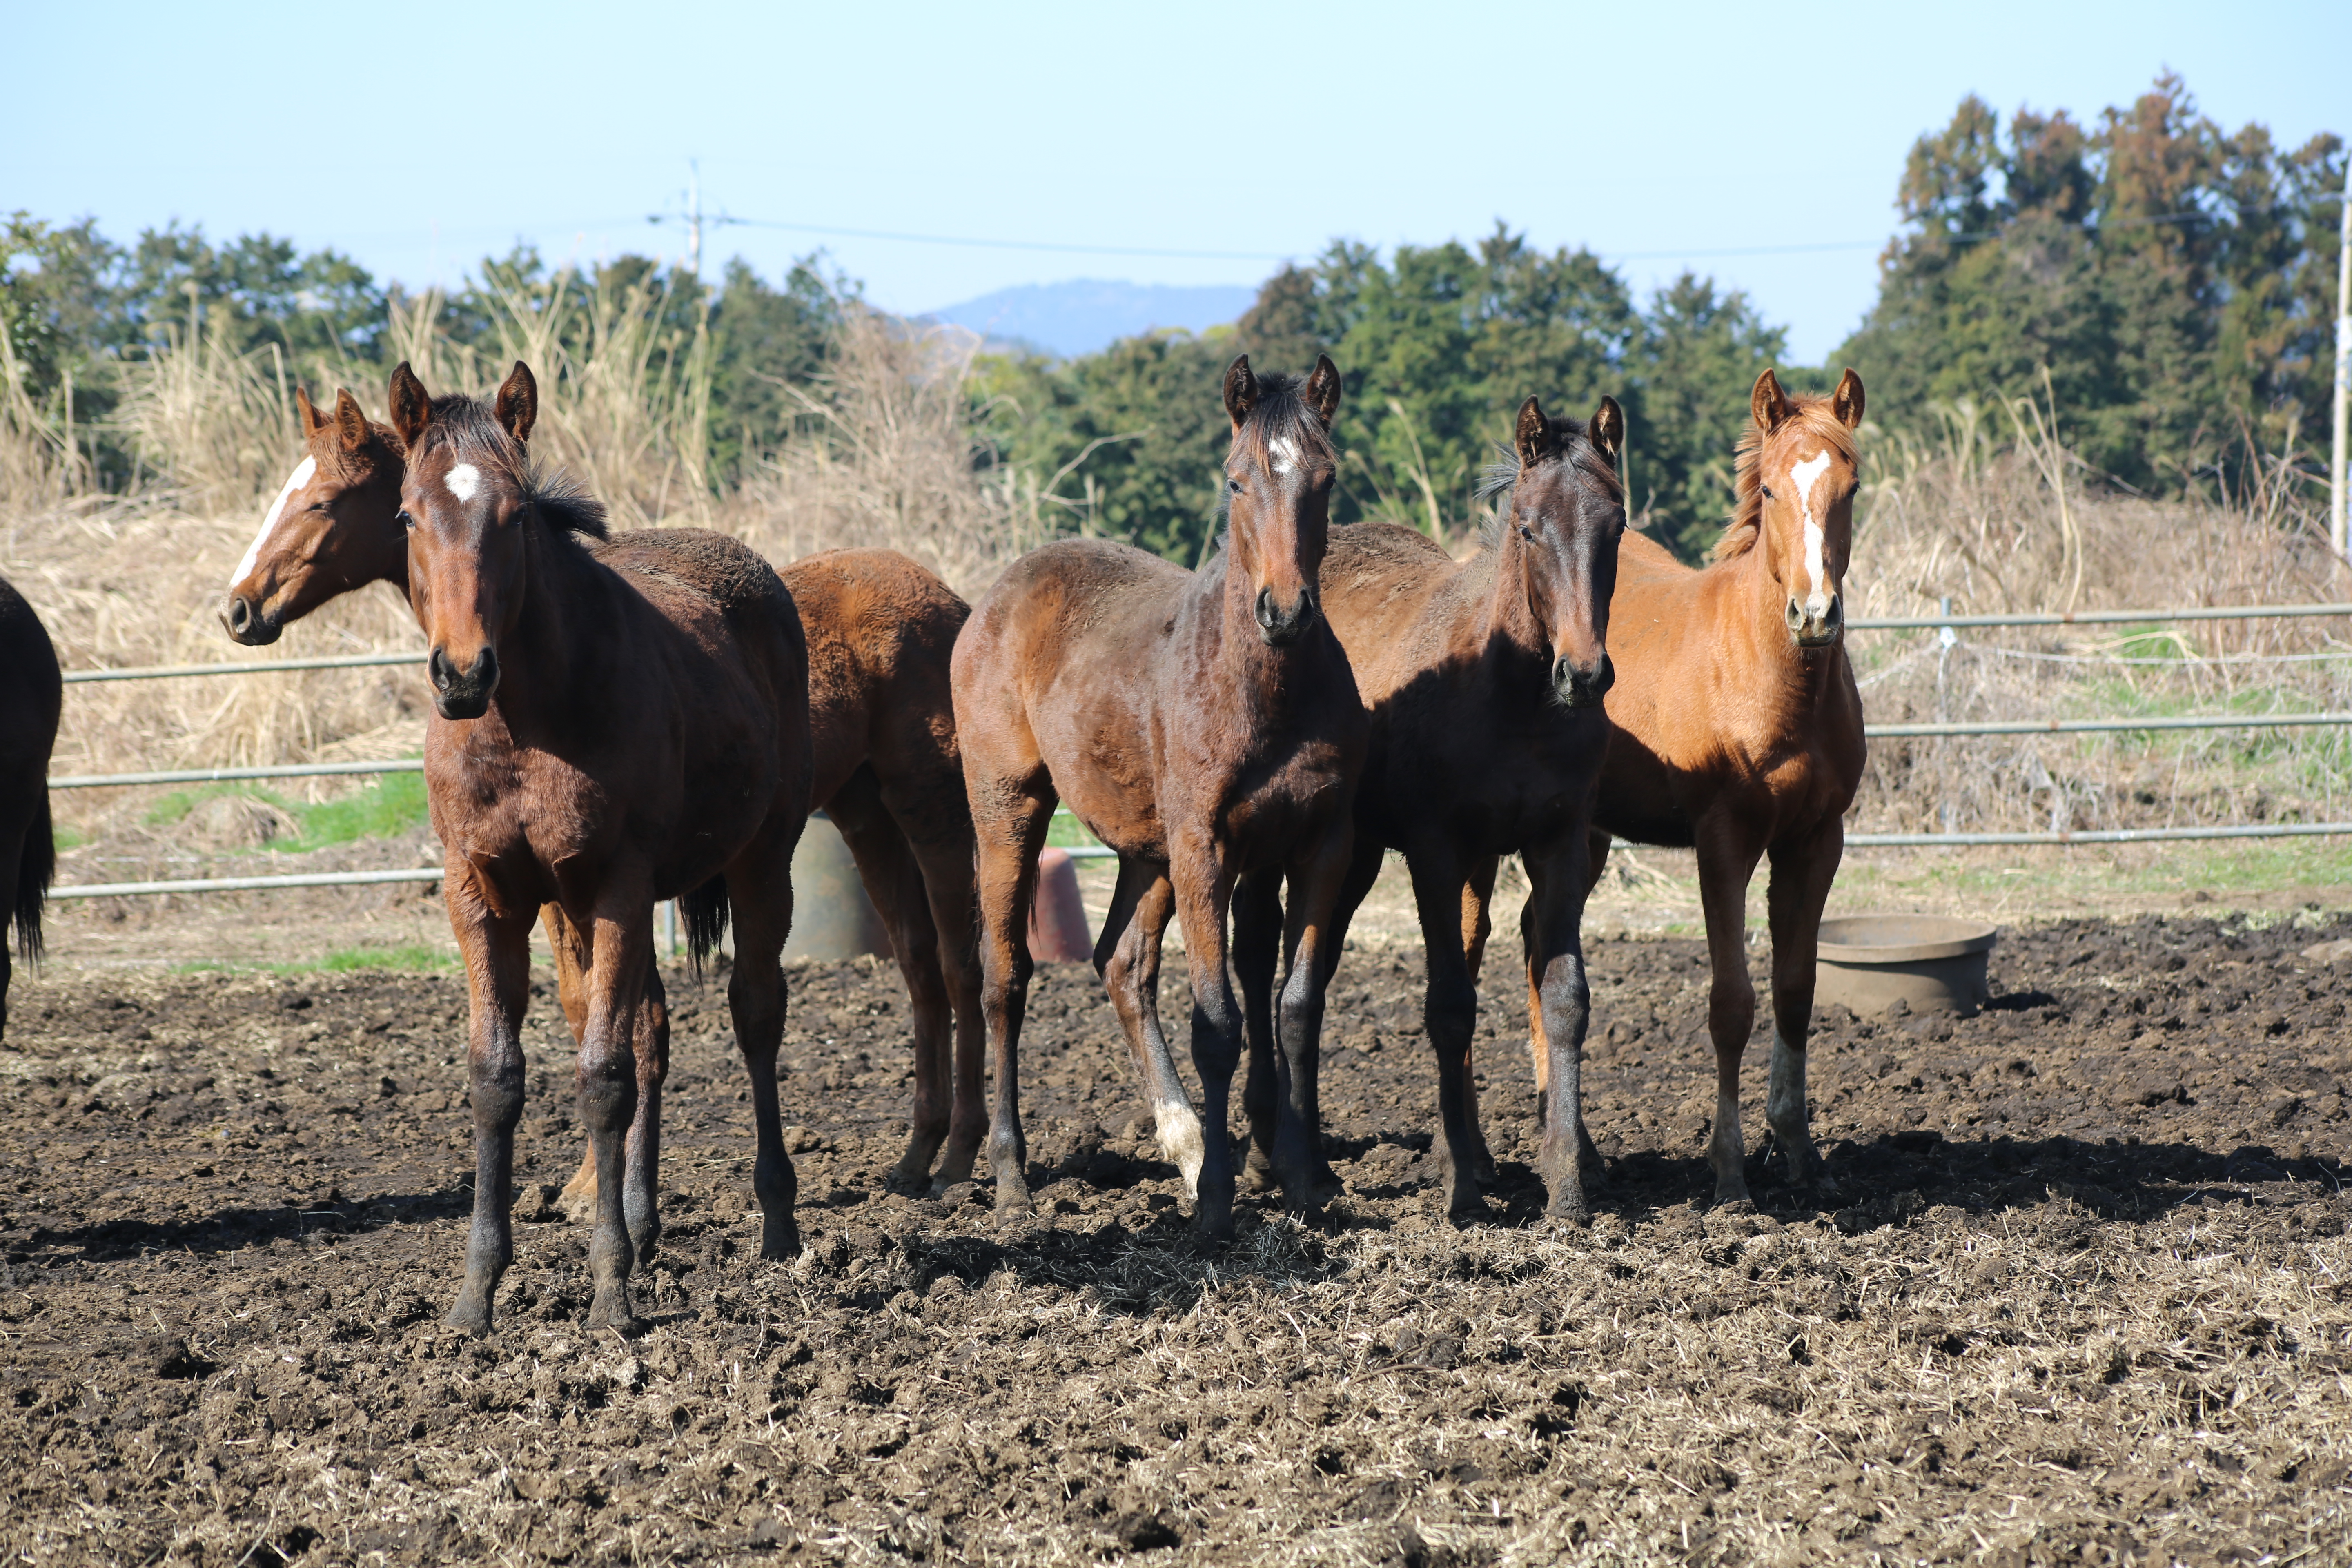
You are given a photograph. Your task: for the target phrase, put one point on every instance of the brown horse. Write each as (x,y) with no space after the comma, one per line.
(1202,724)
(1736,730)
(609,730)
(1485,683)
(31,694)
(880,629)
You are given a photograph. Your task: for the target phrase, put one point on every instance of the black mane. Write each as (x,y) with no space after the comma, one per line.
(1570,443)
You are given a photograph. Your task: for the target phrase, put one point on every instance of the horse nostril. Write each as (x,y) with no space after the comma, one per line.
(438,671)
(1836,610)
(239,615)
(1265,609)
(484,673)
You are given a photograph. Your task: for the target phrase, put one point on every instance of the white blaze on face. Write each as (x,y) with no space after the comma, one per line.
(463,480)
(301,476)
(1285,455)
(1803,478)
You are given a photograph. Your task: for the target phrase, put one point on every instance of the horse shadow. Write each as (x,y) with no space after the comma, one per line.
(235,1229)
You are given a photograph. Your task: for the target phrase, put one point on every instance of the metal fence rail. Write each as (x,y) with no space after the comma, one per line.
(1087,852)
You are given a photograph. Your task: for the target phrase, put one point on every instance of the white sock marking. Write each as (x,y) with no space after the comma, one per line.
(1285,454)
(1803,477)
(301,476)
(463,480)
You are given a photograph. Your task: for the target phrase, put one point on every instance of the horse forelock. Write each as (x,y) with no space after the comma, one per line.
(465,428)
(1810,417)
(1568,451)
(1283,428)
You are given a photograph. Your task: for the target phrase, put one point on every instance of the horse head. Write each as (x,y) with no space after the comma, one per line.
(328,531)
(1557,541)
(468,504)
(1798,474)
(1278,475)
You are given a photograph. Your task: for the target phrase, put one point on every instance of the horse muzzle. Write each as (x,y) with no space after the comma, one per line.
(1281,626)
(1582,685)
(247,624)
(1816,629)
(463,693)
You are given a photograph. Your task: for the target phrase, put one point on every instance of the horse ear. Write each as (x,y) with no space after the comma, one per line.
(1531,436)
(1767,405)
(1323,389)
(409,407)
(1241,391)
(1846,402)
(311,418)
(517,405)
(351,425)
(1608,429)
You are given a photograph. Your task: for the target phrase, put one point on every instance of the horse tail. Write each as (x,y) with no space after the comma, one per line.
(35,865)
(705,908)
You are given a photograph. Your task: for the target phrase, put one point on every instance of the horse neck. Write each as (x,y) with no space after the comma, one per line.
(1255,671)
(1797,681)
(554,651)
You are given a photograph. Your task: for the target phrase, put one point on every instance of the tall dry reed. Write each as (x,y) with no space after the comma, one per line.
(1999,516)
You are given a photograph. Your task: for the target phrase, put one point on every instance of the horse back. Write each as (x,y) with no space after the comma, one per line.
(881,635)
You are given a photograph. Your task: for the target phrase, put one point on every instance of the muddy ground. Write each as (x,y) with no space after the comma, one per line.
(2085,1296)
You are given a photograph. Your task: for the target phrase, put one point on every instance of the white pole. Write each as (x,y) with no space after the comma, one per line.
(2343,364)
(694,205)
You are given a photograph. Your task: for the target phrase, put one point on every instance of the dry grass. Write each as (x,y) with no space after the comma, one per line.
(2005,518)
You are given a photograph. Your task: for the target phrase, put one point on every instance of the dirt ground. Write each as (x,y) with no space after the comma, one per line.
(2086,1295)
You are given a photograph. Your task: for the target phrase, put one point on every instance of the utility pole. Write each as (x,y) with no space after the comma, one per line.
(2343,364)
(694,265)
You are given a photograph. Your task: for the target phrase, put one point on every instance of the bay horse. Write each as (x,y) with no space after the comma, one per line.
(31,697)
(610,728)
(1735,730)
(880,629)
(1203,725)
(1484,682)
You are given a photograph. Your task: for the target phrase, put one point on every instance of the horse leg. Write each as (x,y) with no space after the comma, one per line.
(1723,870)
(498,983)
(649,1045)
(578,1199)
(1803,871)
(887,866)
(1533,945)
(1205,891)
(1010,830)
(1450,1015)
(1127,956)
(1257,950)
(945,865)
(1310,951)
(1477,898)
(1563,1000)
(1596,857)
(759,896)
(619,951)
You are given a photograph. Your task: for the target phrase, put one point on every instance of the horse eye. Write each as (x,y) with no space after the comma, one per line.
(1235,486)
(1768,492)
(1527,534)
(404,520)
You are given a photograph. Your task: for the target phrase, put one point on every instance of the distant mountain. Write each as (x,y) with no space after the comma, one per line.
(1087,313)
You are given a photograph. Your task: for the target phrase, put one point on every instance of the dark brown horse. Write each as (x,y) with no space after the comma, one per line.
(1484,682)
(30,697)
(609,729)
(1202,724)
(1736,730)
(880,629)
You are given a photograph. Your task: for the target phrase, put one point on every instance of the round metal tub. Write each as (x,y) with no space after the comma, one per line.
(832,917)
(1932,963)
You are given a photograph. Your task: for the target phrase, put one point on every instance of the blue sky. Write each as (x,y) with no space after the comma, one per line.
(419,138)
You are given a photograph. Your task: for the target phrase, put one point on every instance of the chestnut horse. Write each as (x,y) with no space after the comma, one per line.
(1736,730)
(1485,683)
(31,694)
(609,729)
(882,728)
(1202,725)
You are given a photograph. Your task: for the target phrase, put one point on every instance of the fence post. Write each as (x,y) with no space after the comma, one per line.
(2335,499)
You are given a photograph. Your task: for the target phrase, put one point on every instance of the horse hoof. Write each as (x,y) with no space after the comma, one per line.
(916,1186)
(1215,1225)
(470,1316)
(1564,1210)
(618,1318)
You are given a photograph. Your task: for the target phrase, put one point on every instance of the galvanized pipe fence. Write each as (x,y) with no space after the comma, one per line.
(1941,622)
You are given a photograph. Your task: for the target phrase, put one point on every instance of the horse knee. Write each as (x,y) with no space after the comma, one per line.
(1450,1014)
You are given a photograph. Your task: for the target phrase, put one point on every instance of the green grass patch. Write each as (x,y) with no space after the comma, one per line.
(65,835)
(392,805)
(1066,832)
(413,958)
